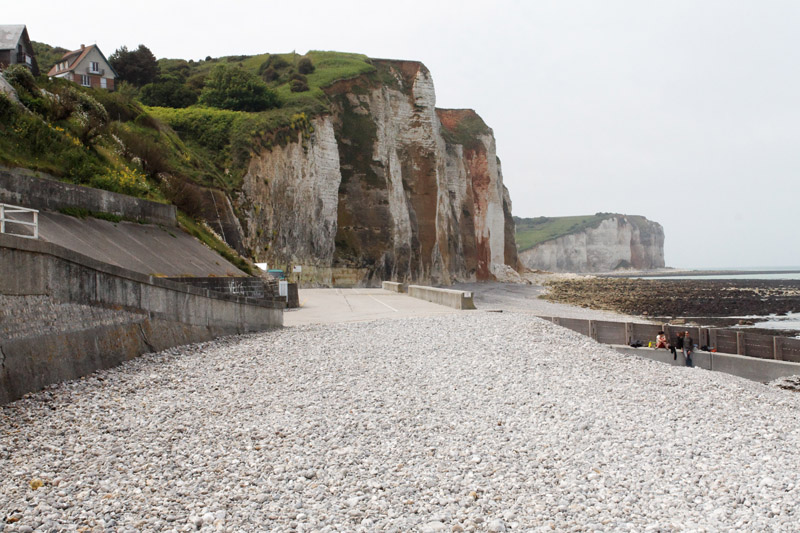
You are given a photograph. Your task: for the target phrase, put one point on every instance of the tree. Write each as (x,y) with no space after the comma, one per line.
(138,67)
(235,88)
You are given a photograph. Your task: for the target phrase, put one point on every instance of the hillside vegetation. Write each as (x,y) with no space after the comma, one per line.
(533,231)
(194,123)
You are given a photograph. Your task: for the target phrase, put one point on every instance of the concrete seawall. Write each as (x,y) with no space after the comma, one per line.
(40,191)
(753,368)
(162,314)
(449,297)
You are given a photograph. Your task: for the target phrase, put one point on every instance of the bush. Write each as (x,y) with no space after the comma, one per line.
(92,117)
(298,86)
(210,128)
(298,76)
(7,108)
(270,75)
(123,180)
(170,93)
(21,78)
(120,105)
(186,196)
(138,145)
(236,89)
(277,62)
(305,66)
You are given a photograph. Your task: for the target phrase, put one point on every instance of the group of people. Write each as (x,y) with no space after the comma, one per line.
(684,342)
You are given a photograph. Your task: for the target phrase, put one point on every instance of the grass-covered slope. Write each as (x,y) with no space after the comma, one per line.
(99,139)
(533,231)
(162,152)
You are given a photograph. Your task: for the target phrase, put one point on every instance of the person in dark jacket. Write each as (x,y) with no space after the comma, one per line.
(677,346)
(688,347)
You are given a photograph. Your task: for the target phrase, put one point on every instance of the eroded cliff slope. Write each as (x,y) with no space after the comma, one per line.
(386,186)
(608,242)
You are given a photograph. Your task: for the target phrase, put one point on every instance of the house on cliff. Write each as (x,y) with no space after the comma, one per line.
(16,48)
(86,66)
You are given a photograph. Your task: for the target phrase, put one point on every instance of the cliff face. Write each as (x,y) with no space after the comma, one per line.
(617,242)
(386,184)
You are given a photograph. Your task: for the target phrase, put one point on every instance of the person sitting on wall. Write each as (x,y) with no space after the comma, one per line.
(661,340)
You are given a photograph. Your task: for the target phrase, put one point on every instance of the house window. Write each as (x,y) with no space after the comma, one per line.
(103,83)
(94,66)
(85,81)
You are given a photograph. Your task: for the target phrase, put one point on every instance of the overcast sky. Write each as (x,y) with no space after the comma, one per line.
(685,112)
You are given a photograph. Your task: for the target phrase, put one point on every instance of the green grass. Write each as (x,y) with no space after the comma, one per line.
(196,230)
(79,212)
(466,131)
(533,231)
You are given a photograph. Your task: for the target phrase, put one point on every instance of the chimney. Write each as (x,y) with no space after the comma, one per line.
(82,47)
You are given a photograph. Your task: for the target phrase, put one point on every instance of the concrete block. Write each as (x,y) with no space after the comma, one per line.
(449,297)
(393,286)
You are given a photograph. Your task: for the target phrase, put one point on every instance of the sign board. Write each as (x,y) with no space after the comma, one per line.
(297,268)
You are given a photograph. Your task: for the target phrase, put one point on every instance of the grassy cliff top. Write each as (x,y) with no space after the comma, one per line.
(533,231)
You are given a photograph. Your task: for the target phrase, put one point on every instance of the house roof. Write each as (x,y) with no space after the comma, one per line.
(10,35)
(74,58)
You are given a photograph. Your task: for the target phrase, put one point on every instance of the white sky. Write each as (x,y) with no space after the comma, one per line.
(684,111)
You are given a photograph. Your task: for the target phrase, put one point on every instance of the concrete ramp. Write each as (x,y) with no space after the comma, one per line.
(143,248)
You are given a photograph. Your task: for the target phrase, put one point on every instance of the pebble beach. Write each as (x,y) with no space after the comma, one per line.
(468,422)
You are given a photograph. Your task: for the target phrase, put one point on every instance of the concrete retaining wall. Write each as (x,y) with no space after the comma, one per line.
(449,297)
(762,370)
(40,191)
(252,286)
(164,314)
(393,286)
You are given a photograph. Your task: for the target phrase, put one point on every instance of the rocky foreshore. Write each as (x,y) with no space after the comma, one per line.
(470,422)
(678,298)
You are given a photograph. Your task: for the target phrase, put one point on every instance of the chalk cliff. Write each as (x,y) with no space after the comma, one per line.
(386,184)
(618,241)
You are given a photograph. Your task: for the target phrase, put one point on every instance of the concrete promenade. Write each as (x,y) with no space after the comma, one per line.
(327,306)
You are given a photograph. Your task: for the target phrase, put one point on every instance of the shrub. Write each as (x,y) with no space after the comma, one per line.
(270,75)
(210,128)
(186,196)
(170,93)
(120,105)
(196,82)
(124,180)
(7,108)
(140,146)
(236,89)
(21,78)
(277,62)
(298,86)
(298,76)
(91,117)
(305,66)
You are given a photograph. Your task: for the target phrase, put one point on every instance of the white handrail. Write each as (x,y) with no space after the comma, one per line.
(7,209)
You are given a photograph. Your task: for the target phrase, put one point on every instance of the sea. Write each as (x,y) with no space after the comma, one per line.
(790,321)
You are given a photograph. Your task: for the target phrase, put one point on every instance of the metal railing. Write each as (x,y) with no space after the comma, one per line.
(13,216)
